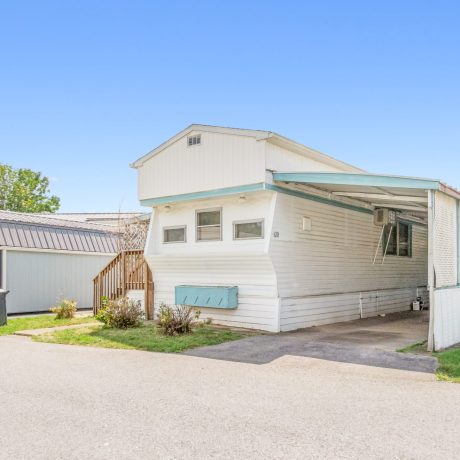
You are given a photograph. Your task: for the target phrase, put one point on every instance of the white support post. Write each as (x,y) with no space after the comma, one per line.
(458,242)
(431,277)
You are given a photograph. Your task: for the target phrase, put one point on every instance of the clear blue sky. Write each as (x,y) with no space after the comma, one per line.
(86,87)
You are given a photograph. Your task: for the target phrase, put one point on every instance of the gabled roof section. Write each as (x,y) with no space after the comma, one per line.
(269,136)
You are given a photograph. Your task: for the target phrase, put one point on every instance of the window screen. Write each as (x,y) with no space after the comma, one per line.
(248,229)
(399,240)
(208,225)
(174,235)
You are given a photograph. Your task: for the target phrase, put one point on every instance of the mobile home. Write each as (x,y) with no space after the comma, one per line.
(259,231)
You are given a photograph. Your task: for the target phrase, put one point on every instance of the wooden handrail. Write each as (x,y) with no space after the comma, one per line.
(127,271)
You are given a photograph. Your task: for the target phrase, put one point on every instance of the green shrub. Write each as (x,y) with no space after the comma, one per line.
(66,309)
(121,313)
(176,319)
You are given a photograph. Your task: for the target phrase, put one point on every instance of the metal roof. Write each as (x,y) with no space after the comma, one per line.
(93,217)
(22,230)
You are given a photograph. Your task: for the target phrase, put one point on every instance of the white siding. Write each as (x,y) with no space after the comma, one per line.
(230,263)
(281,159)
(326,275)
(298,279)
(254,276)
(446,329)
(445,240)
(138,295)
(220,161)
(256,205)
(37,280)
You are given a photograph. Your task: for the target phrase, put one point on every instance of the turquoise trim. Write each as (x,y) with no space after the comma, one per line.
(207,296)
(222,192)
(371,180)
(318,199)
(200,195)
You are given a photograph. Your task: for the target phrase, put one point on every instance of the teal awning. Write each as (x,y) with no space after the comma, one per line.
(369,180)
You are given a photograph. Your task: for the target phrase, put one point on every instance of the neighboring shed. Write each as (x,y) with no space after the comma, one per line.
(43,259)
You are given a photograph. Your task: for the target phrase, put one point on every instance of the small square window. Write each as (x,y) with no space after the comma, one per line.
(194,140)
(174,234)
(248,229)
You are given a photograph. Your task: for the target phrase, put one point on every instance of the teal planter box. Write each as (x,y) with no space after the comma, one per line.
(207,296)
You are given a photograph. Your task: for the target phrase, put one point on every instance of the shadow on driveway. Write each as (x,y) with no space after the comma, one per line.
(370,342)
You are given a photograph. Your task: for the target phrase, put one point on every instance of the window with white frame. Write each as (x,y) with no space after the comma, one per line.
(209,224)
(194,140)
(175,234)
(397,240)
(248,229)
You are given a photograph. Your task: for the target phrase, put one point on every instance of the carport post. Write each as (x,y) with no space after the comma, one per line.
(431,196)
(458,242)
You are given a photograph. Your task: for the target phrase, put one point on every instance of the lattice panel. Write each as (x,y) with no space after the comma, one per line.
(445,240)
(133,235)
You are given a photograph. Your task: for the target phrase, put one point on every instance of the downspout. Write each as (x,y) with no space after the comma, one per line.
(431,281)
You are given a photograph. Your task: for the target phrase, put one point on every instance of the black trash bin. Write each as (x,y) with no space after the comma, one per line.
(3,316)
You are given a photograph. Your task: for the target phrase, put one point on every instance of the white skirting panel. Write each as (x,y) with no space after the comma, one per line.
(300,312)
(137,295)
(446,328)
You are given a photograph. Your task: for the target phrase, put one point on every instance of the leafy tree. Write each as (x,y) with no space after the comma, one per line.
(24,190)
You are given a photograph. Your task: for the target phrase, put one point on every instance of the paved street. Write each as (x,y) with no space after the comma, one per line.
(64,402)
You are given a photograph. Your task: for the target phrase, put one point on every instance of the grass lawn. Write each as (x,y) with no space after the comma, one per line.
(39,322)
(449,361)
(146,337)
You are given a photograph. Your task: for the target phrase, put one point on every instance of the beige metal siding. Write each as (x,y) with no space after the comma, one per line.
(326,274)
(37,280)
(220,161)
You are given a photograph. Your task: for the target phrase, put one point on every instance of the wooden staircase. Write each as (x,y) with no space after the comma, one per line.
(127,271)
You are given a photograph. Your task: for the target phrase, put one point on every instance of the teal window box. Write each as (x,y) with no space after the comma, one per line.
(207,296)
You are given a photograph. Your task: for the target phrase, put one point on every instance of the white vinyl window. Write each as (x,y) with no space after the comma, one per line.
(209,224)
(248,229)
(398,240)
(175,234)
(194,140)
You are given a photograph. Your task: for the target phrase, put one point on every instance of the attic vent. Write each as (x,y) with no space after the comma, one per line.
(194,140)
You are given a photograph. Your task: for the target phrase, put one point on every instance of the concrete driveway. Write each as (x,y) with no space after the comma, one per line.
(371,341)
(69,402)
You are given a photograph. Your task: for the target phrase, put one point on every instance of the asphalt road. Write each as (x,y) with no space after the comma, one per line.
(64,402)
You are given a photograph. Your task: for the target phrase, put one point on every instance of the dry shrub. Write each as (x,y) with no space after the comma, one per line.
(177,319)
(66,309)
(121,313)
